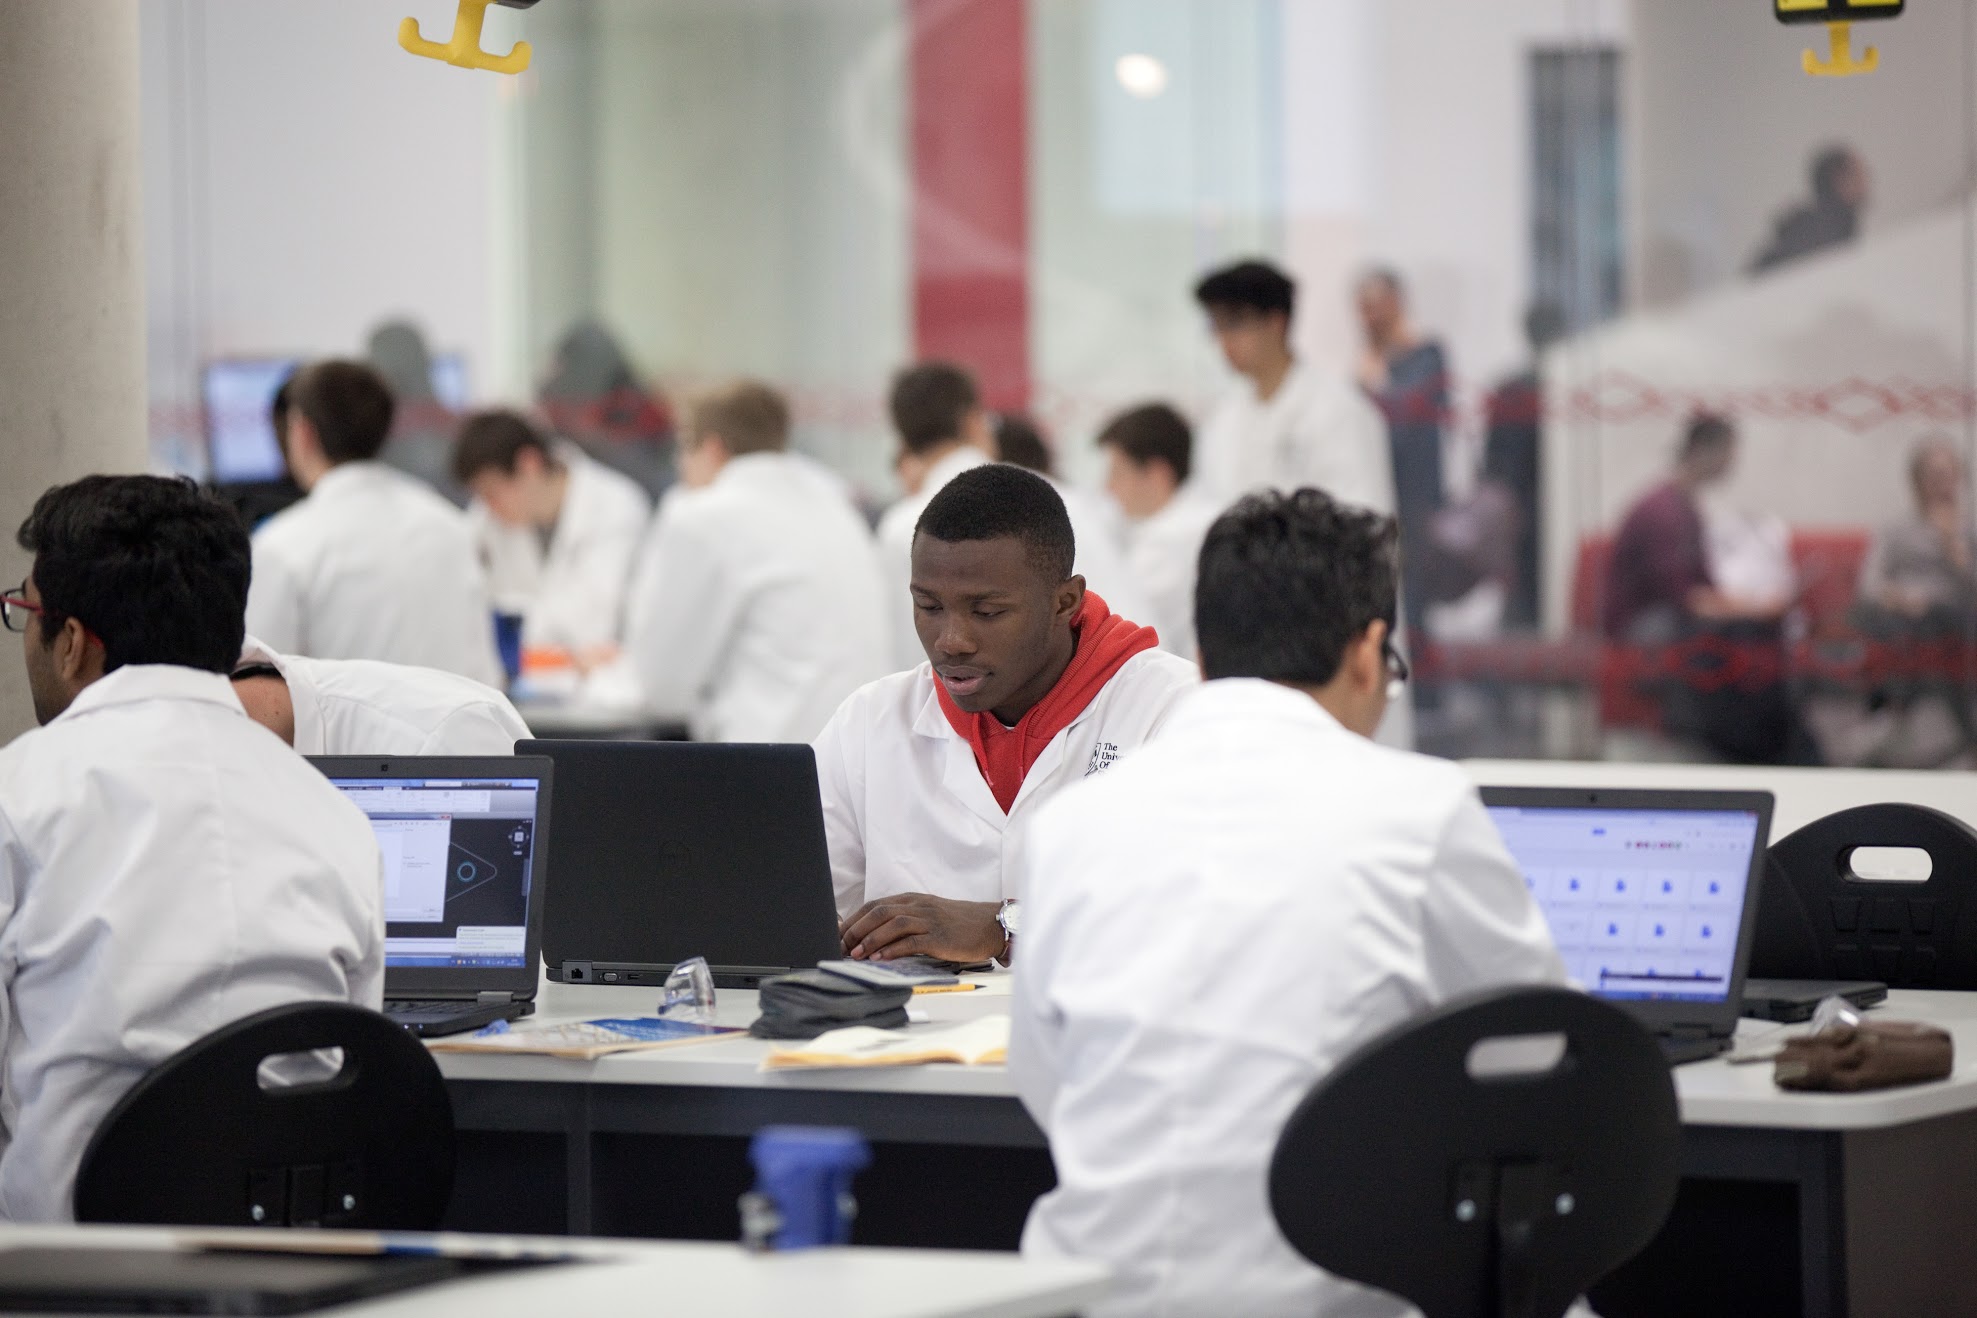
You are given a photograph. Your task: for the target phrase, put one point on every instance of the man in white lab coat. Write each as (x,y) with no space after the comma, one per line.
(364,707)
(1150,450)
(373,564)
(559,533)
(1211,927)
(757,606)
(166,865)
(1030,684)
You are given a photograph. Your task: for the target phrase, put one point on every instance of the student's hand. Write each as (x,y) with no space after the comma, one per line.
(917,924)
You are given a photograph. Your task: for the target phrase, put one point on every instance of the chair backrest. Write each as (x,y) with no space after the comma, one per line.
(1473,1194)
(1817,920)
(199,1142)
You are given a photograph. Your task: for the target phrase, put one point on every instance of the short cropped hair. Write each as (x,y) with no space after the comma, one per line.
(1385,276)
(997,500)
(1152,432)
(929,403)
(749,416)
(1288,581)
(1248,285)
(1707,432)
(156,568)
(493,441)
(350,406)
(1019,442)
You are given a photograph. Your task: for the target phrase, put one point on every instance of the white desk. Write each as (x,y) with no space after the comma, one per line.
(1886,1183)
(720,1281)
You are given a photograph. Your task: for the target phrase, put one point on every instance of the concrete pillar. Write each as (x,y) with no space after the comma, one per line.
(72,393)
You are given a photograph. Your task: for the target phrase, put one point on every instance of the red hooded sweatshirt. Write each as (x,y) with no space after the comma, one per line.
(1105,642)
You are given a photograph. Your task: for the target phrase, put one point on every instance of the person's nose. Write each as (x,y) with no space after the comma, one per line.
(956,639)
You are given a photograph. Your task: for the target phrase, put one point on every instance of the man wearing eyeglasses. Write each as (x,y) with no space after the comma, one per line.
(167,866)
(1211,926)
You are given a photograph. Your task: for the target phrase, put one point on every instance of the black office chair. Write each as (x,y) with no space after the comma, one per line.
(1505,1195)
(1817,920)
(199,1142)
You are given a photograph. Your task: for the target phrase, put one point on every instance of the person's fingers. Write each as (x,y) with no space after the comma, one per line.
(879,944)
(925,944)
(867,918)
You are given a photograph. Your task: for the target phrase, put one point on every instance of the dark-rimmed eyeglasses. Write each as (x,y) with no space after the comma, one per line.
(1398,672)
(16,609)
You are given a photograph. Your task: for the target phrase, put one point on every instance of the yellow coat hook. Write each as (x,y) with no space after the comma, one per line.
(1841,63)
(464,51)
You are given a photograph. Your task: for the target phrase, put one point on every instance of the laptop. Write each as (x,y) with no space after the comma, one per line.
(465,843)
(1651,896)
(672,850)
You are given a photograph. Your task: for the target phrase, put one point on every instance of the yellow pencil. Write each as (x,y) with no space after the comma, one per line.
(944,988)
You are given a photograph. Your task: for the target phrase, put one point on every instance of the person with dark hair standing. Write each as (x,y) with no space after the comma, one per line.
(166,865)
(1029,684)
(1406,375)
(1287,423)
(1513,460)
(1840,191)
(558,530)
(372,564)
(756,606)
(1150,449)
(1222,919)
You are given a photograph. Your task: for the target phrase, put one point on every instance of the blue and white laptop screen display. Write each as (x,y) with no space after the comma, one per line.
(1642,903)
(459,866)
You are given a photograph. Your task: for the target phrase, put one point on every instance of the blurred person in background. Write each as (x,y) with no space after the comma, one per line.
(372,564)
(1150,455)
(1286,423)
(1019,442)
(757,608)
(1513,460)
(1840,192)
(422,429)
(1725,687)
(1095,520)
(559,533)
(1406,375)
(594,398)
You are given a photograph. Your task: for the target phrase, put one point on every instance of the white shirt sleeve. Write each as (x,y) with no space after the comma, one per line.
(844,830)
(1480,926)
(14,867)
(483,728)
(274,604)
(681,615)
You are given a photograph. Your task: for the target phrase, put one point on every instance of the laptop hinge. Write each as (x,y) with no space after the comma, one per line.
(493,999)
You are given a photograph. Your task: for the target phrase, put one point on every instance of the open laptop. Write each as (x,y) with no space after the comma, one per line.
(671,850)
(1651,895)
(465,843)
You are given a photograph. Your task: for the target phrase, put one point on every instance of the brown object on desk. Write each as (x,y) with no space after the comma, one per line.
(1871,1055)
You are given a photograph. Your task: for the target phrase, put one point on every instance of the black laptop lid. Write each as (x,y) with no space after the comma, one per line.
(465,841)
(670,850)
(1651,895)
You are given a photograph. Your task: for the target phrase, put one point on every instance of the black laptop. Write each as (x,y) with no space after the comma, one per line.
(465,844)
(1651,896)
(671,850)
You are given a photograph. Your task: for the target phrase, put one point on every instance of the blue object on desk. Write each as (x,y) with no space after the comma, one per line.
(802,1197)
(508,640)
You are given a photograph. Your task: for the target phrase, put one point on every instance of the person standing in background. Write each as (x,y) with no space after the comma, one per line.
(756,608)
(1096,522)
(1407,376)
(1840,189)
(1150,450)
(1286,424)
(372,564)
(559,533)
(1513,459)
(422,425)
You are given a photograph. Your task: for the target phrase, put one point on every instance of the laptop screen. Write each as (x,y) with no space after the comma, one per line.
(459,866)
(1643,903)
(241,447)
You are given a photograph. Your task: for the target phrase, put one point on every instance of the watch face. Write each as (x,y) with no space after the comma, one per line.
(1010,917)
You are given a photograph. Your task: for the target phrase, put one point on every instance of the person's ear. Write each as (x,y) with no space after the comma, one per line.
(1070,598)
(978,428)
(1366,659)
(78,655)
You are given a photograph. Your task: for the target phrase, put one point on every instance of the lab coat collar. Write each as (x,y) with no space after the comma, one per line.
(1251,698)
(749,467)
(310,735)
(136,683)
(962,777)
(348,476)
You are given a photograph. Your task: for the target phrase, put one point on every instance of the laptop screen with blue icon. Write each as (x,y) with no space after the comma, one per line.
(1644,904)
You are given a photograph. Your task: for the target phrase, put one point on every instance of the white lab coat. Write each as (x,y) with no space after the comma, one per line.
(1318,429)
(363,707)
(906,808)
(757,607)
(895,552)
(374,565)
(1164,551)
(1207,931)
(570,595)
(167,866)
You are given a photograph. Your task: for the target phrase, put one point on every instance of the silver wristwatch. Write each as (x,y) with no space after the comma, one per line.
(1010,917)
